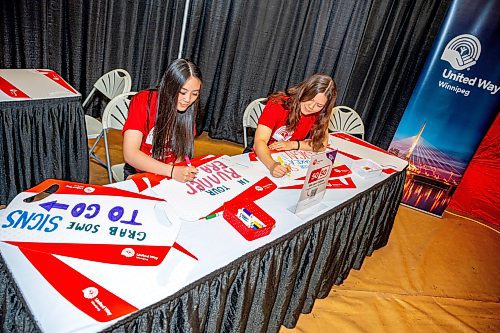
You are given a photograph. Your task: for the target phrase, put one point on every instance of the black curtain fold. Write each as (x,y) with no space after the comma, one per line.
(41,140)
(373,49)
(84,40)
(395,44)
(245,49)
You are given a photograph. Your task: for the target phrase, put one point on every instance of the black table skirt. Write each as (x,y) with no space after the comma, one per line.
(41,139)
(266,288)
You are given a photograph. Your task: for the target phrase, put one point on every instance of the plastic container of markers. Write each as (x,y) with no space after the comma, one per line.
(231,215)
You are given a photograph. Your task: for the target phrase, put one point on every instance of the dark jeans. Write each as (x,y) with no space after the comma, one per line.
(128,170)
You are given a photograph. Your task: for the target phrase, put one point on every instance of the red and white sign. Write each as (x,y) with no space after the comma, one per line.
(100,251)
(28,84)
(218,180)
(316,180)
(356,149)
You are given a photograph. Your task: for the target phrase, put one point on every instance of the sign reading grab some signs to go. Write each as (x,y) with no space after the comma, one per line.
(92,252)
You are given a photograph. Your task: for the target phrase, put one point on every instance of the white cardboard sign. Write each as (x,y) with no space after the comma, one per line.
(93,253)
(217,181)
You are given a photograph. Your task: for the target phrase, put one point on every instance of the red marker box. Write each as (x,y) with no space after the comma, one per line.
(230,215)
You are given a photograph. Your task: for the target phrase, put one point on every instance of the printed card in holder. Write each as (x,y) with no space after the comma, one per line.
(315,184)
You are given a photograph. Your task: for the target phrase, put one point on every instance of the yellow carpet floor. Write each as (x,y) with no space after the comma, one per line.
(434,275)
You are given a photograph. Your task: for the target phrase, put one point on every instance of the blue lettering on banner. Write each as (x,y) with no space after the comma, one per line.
(243,181)
(87,227)
(19,219)
(218,190)
(114,215)
(132,234)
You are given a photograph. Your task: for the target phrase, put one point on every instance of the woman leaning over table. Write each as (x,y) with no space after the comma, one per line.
(160,126)
(295,119)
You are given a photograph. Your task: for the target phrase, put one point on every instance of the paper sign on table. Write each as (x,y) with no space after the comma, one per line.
(217,181)
(90,222)
(93,253)
(298,160)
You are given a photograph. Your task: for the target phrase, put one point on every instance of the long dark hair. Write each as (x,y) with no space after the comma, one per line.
(175,130)
(303,92)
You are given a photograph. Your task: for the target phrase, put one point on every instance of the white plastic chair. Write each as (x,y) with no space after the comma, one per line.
(114,116)
(345,119)
(251,116)
(111,84)
(117,171)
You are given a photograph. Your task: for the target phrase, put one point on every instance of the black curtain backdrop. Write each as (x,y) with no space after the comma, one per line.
(82,40)
(373,49)
(245,49)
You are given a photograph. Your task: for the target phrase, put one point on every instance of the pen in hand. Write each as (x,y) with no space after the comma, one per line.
(188,161)
(282,163)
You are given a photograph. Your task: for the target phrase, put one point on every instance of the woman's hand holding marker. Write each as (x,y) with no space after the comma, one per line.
(184,174)
(280,168)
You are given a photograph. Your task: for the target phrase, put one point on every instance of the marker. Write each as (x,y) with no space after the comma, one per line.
(247,218)
(282,163)
(252,219)
(188,161)
(243,217)
(211,216)
(258,223)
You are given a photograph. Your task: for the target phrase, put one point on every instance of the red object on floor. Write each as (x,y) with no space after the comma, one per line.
(477,194)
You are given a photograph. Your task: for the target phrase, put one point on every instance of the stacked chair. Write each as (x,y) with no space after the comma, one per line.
(109,85)
(114,117)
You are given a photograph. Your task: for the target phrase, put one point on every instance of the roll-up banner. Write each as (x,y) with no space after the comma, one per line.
(454,102)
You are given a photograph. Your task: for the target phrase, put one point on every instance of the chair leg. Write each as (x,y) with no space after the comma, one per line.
(98,160)
(245,137)
(93,155)
(91,150)
(108,163)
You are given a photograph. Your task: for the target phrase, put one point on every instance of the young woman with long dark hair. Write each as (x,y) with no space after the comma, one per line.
(295,119)
(160,126)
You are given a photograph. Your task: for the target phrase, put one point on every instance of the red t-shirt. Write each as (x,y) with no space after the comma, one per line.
(136,120)
(274,116)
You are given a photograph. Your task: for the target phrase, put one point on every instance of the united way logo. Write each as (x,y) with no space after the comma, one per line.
(90,292)
(462,51)
(128,252)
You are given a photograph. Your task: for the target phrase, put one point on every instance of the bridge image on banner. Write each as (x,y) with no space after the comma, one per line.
(432,175)
(453,104)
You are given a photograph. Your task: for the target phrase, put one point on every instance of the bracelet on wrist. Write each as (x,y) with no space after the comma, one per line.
(298,145)
(172,172)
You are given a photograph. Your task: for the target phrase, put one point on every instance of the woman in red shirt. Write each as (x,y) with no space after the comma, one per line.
(160,126)
(295,119)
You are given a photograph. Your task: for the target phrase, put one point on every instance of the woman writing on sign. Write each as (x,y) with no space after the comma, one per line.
(160,126)
(295,119)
